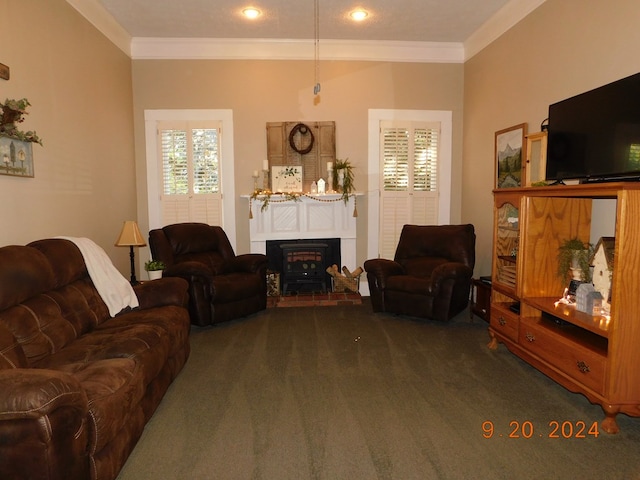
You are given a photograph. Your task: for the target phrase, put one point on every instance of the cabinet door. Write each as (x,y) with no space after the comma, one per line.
(506,242)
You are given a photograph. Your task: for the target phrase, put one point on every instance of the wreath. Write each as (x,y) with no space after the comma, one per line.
(304,130)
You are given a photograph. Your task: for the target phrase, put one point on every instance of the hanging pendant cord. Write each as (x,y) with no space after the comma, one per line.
(316,13)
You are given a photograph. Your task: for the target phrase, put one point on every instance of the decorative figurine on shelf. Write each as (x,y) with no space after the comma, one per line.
(602,261)
(321,186)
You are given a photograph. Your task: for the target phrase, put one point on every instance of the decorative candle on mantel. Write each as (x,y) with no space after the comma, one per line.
(265,176)
(329,166)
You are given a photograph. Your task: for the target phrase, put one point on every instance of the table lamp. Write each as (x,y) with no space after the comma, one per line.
(130,236)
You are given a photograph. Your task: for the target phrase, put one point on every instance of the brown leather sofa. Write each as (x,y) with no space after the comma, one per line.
(430,276)
(77,386)
(222,285)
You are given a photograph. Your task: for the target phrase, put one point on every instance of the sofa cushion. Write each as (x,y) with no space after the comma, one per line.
(422,267)
(11,353)
(148,345)
(114,388)
(25,272)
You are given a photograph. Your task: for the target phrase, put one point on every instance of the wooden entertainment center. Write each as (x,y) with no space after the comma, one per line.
(597,356)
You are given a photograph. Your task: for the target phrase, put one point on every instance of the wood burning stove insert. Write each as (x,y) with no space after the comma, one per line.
(303,264)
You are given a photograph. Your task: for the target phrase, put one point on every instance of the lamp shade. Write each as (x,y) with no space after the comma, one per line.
(130,235)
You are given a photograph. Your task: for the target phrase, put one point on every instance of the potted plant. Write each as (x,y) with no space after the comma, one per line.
(574,257)
(154,268)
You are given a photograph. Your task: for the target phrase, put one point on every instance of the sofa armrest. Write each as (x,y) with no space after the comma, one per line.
(35,393)
(450,271)
(247,263)
(162,292)
(44,431)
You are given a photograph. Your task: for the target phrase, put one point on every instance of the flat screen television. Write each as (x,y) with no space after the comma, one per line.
(595,136)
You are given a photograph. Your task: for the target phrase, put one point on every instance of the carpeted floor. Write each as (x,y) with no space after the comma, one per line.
(342,393)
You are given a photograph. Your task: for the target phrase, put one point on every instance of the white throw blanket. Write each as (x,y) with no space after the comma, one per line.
(114,289)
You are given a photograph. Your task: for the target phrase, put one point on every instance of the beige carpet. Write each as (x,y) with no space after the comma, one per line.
(342,393)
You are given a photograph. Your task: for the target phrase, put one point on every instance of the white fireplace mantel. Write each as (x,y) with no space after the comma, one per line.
(311,216)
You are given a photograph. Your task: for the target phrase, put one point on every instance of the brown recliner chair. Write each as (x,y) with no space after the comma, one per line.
(430,276)
(222,285)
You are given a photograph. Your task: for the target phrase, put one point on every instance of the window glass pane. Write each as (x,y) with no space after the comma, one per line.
(205,160)
(395,171)
(175,170)
(425,159)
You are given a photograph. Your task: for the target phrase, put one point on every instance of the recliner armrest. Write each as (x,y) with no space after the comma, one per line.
(450,270)
(187,270)
(383,268)
(248,263)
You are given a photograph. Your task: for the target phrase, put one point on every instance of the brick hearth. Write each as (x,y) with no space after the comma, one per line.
(312,299)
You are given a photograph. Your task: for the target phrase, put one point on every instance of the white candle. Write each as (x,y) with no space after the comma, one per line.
(255,173)
(265,165)
(329,166)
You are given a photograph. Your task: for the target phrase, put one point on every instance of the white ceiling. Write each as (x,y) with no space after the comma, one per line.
(401,20)
(396,30)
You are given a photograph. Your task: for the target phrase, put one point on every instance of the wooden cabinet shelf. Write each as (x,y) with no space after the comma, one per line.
(567,313)
(593,355)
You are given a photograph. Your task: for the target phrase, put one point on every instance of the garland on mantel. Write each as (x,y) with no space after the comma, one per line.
(293,197)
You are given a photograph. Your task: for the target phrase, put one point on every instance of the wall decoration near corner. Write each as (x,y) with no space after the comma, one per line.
(16,157)
(509,155)
(16,151)
(5,72)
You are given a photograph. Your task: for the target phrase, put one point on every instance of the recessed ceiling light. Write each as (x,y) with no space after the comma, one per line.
(359,15)
(251,12)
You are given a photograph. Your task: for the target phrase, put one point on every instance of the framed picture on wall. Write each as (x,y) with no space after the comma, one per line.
(509,156)
(16,157)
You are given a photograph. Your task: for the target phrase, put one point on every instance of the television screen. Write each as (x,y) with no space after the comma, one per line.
(595,136)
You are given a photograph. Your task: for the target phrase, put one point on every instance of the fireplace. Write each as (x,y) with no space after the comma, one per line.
(311,219)
(302,263)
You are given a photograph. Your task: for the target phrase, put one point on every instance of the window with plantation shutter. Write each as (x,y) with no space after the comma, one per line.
(409,178)
(190,166)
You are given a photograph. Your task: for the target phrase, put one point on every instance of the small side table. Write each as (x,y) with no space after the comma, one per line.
(480,300)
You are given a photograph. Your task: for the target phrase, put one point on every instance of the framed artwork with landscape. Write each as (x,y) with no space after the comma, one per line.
(509,155)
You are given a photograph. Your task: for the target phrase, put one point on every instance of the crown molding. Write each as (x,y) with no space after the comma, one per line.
(498,24)
(269,49)
(279,49)
(96,14)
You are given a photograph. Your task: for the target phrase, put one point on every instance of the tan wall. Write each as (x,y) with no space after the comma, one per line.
(79,85)
(563,48)
(269,91)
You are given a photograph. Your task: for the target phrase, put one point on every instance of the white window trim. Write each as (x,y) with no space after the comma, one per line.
(227,170)
(444,165)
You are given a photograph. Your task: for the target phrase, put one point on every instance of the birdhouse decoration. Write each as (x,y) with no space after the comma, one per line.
(588,300)
(602,263)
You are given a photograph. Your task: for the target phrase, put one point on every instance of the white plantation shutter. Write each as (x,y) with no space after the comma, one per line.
(190,166)
(409,179)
